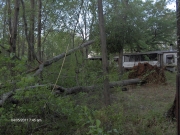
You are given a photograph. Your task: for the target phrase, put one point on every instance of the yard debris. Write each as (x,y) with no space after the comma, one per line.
(148,73)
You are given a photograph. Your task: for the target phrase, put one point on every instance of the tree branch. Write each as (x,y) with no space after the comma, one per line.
(58,57)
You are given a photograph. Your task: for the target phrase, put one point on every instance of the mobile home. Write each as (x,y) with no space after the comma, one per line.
(167,59)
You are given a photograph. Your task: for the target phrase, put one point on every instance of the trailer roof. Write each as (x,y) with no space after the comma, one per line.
(151,52)
(138,53)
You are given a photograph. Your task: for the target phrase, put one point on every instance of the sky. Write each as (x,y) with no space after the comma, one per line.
(172,6)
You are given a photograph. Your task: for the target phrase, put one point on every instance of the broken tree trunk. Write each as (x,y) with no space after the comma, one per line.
(58,57)
(73,90)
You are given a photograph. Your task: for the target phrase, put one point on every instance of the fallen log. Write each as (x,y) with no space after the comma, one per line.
(58,57)
(7,95)
(77,89)
(73,90)
(39,69)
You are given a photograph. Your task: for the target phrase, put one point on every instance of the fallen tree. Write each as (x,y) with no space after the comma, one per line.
(149,73)
(74,90)
(39,69)
(77,89)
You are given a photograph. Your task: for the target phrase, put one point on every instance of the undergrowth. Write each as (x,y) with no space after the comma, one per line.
(137,111)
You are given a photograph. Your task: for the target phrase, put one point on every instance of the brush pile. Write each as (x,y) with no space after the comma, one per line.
(148,73)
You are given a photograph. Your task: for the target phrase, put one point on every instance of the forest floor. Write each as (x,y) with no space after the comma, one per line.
(140,110)
(150,103)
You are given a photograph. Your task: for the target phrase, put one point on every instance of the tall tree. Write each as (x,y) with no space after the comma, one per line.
(31,34)
(9,22)
(39,29)
(178,32)
(29,31)
(104,53)
(120,60)
(174,111)
(177,98)
(117,30)
(13,24)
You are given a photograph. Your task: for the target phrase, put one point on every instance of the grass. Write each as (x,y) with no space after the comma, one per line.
(138,111)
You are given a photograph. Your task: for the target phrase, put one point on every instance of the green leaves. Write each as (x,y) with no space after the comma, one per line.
(25,81)
(141,26)
(98,123)
(95,127)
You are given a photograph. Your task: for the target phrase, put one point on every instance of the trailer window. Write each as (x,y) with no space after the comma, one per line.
(132,58)
(126,58)
(138,58)
(144,57)
(169,59)
(153,57)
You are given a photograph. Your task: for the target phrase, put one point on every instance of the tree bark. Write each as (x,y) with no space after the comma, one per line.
(31,56)
(120,62)
(30,35)
(178,33)
(175,108)
(104,54)
(4,23)
(14,29)
(9,22)
(26,30)
(39,30)
(22,45)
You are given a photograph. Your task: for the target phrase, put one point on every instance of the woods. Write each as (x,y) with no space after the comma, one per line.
(46,73)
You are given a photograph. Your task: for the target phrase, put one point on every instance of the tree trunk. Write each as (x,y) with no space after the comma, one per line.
(39,30)
(14,29)
(120,62)
(18,43)
(9,22)
(4,23)
(30,36)
(175,107)
(178,32)
(58,57)
(22,45)
(104,53)
(26,30)
(31,56)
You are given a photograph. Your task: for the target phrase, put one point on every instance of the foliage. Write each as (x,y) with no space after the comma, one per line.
(38,111)
(140,25)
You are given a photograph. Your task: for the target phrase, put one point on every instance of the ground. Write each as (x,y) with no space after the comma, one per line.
(141,110)
(144,101)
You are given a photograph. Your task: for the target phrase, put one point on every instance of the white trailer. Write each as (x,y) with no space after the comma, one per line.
(167,59)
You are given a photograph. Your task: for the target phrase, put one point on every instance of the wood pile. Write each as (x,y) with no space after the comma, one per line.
(148,73)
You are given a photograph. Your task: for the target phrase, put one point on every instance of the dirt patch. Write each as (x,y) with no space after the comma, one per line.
(148,73)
